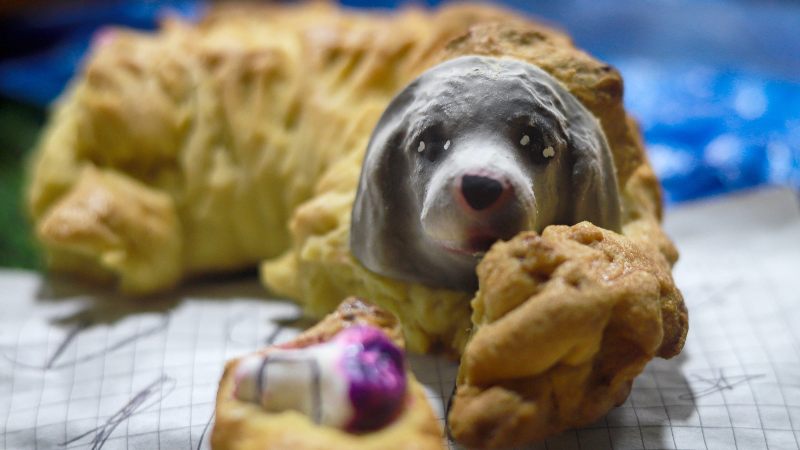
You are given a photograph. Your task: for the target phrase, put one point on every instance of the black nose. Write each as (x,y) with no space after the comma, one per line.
(480,192)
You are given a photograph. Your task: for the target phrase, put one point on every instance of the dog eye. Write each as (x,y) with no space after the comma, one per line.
(432,143)
(532,140)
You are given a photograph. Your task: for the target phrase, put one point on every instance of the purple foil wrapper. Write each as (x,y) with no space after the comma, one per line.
(375,367)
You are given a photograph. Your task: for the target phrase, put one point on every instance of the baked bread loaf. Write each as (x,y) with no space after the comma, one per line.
(241,424)
(239,141)
(213,147)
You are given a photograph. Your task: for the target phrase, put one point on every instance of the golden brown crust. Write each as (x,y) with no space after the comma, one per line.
(273,106)
(121,222)
(243,425)
(564,322)
(352,311)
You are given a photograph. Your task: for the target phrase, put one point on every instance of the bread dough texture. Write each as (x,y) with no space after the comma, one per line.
(241,425)
(218,146)
(564,322)
(214,147)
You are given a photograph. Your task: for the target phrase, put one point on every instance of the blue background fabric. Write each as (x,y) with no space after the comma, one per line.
(715,84)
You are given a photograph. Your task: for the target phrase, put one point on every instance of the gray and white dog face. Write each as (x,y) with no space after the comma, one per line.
(474,150)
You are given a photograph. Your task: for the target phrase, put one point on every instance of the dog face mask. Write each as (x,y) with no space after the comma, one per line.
(476,150)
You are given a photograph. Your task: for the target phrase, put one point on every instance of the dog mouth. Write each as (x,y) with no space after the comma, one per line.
(476,243)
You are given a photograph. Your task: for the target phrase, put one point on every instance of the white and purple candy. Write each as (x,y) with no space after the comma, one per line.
(355,382)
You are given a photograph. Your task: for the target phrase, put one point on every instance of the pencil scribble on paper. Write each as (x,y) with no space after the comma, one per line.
(205,430)
(161,386)
(719,383)
(83,325)
(451,442)
(717,295)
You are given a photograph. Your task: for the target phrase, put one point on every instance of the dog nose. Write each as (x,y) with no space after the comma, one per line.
(480,192)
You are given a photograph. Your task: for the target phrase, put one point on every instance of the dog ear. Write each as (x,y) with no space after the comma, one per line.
(381,216)
(595,194)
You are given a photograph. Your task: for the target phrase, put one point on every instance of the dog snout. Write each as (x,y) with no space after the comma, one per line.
(482,192)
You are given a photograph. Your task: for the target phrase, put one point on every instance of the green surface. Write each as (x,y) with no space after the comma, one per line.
(19,128)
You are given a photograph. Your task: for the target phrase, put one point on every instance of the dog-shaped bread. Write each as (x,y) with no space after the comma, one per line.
(240,140)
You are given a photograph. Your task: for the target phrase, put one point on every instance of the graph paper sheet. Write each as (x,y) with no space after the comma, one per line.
(87,370)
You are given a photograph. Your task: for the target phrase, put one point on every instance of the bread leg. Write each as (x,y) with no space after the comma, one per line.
(118,226)
(564,322)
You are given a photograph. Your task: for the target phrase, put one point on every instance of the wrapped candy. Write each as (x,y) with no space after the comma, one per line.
(355,382)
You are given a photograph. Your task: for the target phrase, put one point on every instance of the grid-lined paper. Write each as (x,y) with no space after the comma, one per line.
(88,370)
